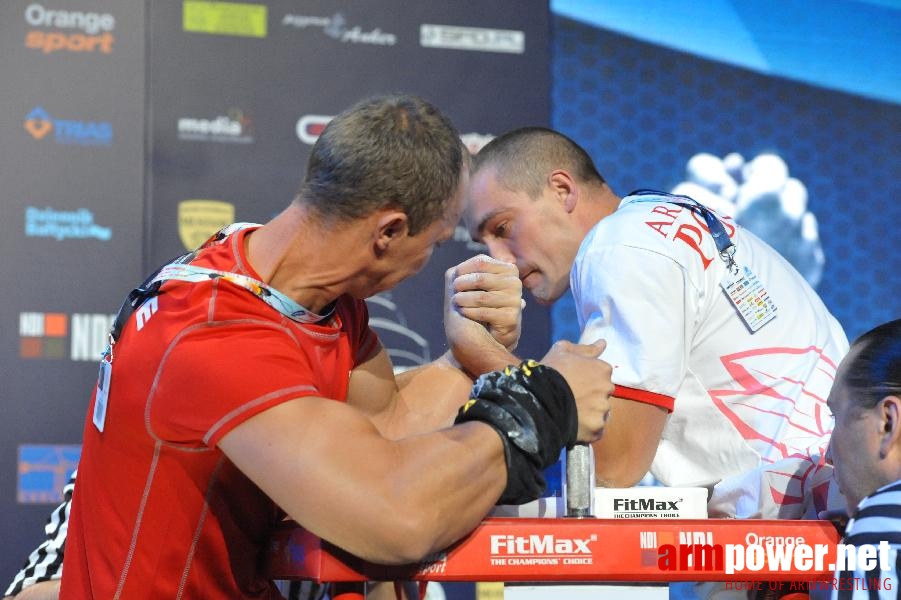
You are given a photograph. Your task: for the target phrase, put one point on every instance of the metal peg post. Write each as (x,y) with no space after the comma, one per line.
(578,488)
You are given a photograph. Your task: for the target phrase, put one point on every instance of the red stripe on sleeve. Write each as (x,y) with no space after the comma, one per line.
(661,400)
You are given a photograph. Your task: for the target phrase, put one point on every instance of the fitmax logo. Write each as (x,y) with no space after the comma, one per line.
(39,124)
(540,544)
(645,504)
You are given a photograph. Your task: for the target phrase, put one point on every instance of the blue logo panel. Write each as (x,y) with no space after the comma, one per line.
(43,471)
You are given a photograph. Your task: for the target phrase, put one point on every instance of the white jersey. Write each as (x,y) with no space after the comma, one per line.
(648,279)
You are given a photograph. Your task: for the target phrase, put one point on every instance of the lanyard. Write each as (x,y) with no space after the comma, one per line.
(724,245)
(180,269)
(269,295)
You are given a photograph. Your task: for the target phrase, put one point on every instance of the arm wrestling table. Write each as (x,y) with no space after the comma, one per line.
(578,548)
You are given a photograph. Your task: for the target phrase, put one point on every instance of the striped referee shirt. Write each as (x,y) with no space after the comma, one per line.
(878,519)
(46,562)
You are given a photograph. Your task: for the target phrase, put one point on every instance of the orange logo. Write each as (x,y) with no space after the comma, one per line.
(54,41)
(95,33)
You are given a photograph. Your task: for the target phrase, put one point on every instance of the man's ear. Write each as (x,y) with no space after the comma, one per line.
(390,226)
(565,188)
(890,414)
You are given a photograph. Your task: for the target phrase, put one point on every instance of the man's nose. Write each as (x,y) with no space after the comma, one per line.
(499,250)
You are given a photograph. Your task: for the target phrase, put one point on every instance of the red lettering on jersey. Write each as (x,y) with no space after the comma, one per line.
(692,236)
(666,211)
(658,226)
(669,211)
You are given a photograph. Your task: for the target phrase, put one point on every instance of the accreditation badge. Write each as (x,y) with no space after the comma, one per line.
(101,398)
(749,297)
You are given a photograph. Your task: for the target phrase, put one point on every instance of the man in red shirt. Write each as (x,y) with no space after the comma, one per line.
(244,385)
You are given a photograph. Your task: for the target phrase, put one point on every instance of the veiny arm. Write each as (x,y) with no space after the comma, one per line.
(386,501)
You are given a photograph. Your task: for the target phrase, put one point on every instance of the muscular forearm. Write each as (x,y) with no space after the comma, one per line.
(417,495)
(385,501)
(625,452)
(428,398)
(482,359)
(450,486)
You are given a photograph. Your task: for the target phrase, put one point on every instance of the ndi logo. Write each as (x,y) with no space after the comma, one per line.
(39,124)
(64,224)
(44,335)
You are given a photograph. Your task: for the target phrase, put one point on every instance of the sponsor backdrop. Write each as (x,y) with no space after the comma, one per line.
(131,130)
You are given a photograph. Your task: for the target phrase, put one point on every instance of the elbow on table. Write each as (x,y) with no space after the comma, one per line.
(619,474)
(405,538)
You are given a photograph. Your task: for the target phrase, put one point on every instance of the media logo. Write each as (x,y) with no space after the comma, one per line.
(64,224)
(199,219)
(234,127)
(43,471)
(479,39)
(94,30)
(39,123)
(309,127)
(79,336)
(225,18)
(336,28)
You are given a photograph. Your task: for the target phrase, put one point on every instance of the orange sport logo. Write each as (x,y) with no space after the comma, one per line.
(92,31)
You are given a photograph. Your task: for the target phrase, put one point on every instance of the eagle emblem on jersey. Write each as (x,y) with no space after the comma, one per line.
(777,402)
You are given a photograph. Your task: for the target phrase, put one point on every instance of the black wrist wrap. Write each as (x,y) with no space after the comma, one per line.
(533,409)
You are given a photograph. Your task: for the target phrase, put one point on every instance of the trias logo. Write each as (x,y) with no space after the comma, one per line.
(547,544)
(39,124)
(645,504)
(93,31)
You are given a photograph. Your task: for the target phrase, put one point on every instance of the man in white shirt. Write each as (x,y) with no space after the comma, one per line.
(723,354)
